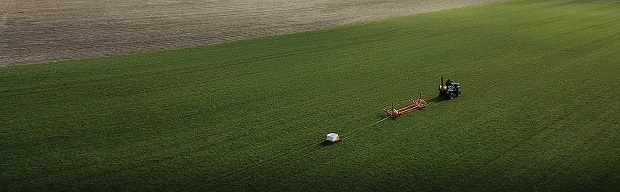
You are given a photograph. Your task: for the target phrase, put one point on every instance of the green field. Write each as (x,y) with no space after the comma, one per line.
(540,109)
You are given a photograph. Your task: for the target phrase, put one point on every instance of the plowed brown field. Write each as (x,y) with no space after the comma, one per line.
(35,31)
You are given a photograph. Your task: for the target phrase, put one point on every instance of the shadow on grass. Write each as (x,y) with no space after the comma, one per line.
(326,143)
(438,99)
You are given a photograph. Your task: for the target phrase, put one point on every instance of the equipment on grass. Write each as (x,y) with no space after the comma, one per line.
(449,90)
(332,137)
(415,104)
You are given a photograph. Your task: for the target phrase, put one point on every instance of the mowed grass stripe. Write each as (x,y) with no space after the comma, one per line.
(538,111)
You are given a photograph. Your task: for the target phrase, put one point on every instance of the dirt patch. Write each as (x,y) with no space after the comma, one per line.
(35,31)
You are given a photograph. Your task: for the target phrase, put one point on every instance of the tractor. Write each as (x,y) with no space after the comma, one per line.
(449,90)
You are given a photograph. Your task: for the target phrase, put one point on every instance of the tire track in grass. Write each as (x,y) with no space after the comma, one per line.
(295,153)
(573,113)
(243,170)
(579,150)
(273,111)
(223,134)
(586,138)
(302,152)
(539,133)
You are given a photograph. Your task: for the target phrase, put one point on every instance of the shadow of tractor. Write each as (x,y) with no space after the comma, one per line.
(438,99)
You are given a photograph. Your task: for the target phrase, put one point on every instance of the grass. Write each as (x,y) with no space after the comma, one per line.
(539,109)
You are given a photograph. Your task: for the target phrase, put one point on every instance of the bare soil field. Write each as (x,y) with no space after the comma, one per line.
(35,31)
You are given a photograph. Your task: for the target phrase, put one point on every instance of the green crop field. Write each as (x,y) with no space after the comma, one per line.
(540,109)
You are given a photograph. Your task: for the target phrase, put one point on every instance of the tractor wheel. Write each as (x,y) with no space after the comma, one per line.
(452,95)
